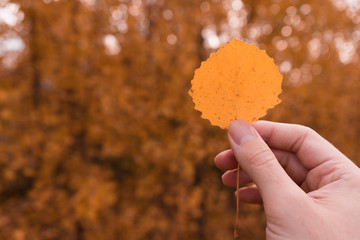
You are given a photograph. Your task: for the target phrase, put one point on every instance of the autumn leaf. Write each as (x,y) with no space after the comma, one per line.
(240,81)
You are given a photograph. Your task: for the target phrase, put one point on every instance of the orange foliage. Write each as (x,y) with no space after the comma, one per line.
(238,82)
(98,136)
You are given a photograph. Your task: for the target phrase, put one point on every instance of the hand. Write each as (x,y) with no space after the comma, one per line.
(309,189)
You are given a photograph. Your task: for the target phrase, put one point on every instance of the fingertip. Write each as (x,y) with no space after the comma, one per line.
(237,123)
(241,132)
(225,178)
(226,160)
(228,179)
(217,159)
(222,178)
(249,194)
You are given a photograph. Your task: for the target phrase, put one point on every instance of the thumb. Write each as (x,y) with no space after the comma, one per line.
(258,161)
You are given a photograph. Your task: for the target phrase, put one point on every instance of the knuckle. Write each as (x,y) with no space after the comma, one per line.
(260,158)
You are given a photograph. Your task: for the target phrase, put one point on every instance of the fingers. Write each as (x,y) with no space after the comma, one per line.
(311,149)
(326,173)
(226,160)
(249,195)
(260,164)
(293,167)
(229,178)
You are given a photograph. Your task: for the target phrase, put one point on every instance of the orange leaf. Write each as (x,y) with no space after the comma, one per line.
(239,81)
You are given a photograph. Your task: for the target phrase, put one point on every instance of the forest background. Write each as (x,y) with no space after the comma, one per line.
(98,136)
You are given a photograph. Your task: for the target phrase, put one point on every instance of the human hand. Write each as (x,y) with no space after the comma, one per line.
(309,189)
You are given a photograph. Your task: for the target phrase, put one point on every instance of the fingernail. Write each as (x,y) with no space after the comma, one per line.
(241,132)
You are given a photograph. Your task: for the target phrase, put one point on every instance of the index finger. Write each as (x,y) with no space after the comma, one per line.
(311,149)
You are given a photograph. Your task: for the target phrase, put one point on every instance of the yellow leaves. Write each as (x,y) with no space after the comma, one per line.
(19,234)
(94,190)
(238,82)
(113,147)
(102,196)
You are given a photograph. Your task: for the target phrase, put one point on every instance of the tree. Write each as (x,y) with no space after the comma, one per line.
(98,137)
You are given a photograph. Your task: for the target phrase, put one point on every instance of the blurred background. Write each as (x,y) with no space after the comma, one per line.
(98,136)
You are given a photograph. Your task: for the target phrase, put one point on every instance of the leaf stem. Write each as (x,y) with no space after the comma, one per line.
(236,232)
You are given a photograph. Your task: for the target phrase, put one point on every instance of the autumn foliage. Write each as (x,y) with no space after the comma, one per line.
(99,138)
(239,81)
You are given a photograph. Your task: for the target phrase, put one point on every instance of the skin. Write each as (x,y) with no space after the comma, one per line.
(309,189)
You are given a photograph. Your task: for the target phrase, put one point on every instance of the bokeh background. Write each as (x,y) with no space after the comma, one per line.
(98,136)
